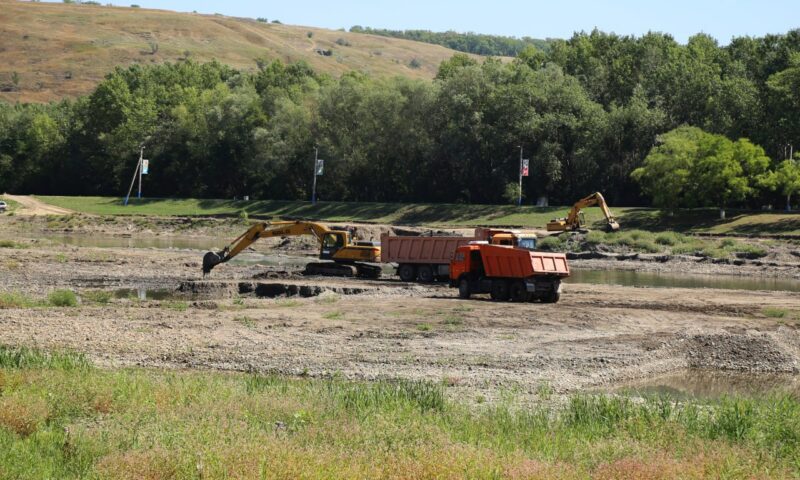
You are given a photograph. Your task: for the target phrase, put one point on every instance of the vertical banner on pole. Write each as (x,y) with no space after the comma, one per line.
(320,166)
(524,168)
(145,166)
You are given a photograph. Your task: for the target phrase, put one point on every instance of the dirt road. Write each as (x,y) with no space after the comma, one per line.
(31,206)
(596,336)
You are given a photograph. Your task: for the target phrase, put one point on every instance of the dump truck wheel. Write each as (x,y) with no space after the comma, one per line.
(407,272)
(463,289)
(552,297)
(518,292)
(425,273)
(499,290)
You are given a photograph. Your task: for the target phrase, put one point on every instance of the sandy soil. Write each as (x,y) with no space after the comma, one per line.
(31,206)
(596,336)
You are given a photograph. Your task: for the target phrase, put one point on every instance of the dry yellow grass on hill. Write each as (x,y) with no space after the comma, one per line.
(51,50)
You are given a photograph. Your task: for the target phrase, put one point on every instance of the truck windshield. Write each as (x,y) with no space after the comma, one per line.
(527,243)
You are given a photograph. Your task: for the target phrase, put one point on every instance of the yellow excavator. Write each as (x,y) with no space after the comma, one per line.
(349,258)
(575,219)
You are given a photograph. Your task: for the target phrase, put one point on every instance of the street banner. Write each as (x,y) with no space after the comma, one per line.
(524,169)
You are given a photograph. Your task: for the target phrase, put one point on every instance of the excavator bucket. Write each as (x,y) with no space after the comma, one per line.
(612,226)
(211,260)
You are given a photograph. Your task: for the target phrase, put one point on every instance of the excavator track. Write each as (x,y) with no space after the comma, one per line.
(334,269)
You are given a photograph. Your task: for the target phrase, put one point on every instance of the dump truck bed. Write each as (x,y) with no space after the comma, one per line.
(500,261)
(423,250)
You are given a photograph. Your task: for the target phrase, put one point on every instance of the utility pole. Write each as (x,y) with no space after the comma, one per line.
(136,172)
(141,157)
(314,184)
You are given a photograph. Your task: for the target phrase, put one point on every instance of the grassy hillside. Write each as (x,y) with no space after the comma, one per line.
(698,220)
(52,50)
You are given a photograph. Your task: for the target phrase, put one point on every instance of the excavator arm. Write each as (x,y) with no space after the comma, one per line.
(262,230)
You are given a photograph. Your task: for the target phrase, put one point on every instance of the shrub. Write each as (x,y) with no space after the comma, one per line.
(552,243)
(63,298)
(97,296)
(309,34)
(16,300)
(595,237)
(10,244)
(669,238)
(342,42)
(415,63)
(262,20)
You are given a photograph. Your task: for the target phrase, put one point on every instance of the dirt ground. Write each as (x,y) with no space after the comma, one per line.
(251,317)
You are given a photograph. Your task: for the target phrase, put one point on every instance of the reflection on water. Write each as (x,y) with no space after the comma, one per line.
(709,384)
(674,280)
(111,241)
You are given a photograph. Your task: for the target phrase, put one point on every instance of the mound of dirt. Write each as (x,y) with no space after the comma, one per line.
(741,352)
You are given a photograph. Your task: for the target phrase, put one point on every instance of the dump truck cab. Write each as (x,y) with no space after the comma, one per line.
(507,273)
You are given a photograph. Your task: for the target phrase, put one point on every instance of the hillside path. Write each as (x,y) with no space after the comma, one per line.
(32,206)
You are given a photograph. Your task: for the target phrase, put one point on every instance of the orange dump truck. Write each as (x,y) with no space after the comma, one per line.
(427,258)
(507,272)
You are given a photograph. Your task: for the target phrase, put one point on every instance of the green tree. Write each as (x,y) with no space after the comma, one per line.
(692,168)
(786,179)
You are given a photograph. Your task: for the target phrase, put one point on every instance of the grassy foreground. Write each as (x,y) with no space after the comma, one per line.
(696,220)
(62,418)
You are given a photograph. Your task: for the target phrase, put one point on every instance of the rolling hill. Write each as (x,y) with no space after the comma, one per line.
(52,50)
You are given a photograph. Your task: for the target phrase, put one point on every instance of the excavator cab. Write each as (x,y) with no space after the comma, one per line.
(331,243)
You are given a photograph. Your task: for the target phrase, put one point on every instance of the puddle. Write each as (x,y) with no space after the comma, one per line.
(147,294)
(672,280)
(710,385)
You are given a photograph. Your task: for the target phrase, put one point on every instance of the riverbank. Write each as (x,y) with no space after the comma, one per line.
(738,222)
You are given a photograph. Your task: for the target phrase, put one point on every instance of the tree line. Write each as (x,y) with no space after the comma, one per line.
(469,42)
(586,113)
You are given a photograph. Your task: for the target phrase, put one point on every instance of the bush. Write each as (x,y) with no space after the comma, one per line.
(342,42)
(669,238)
(415,64)
(595,237)
(309,34)
(552,243)
(63,298)
(97,296)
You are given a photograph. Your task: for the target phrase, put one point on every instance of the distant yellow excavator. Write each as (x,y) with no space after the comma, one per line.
(575,219)
(348,258)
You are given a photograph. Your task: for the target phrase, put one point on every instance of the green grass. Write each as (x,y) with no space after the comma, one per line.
(101,297)
(11,244)
(17,300)
(641,241)
(336,315)
(693,220)
(246,321)
(773,312)
(62,418)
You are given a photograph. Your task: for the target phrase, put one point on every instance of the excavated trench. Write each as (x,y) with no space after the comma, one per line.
(221,289)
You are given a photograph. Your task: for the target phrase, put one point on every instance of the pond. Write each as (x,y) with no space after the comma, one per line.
(674,280)
(712,384)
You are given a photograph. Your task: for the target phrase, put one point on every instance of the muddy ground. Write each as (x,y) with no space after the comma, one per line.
(251,317)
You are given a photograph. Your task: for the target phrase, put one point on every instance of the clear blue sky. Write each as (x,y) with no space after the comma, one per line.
(540,19)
